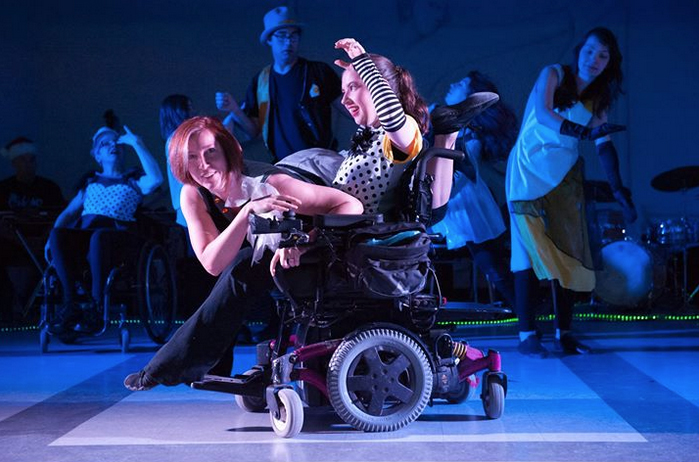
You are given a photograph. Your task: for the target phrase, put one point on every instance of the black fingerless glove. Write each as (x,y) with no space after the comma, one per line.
(569,128)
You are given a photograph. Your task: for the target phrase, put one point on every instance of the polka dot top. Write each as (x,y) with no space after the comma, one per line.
(370,173)
(116,198)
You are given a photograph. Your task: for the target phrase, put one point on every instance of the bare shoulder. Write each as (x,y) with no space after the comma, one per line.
(190,197)
(550,73)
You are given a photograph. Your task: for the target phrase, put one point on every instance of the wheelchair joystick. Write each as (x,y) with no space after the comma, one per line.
(290,227)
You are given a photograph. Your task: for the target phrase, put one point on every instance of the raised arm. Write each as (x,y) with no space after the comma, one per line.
(153,177)
(388,107)
(236,116)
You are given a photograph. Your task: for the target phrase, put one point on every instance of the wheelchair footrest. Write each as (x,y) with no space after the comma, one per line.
(239,384)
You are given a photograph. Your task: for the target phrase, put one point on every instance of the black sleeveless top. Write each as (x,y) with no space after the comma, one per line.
(215,206)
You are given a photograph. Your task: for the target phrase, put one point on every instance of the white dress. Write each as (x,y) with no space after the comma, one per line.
(472,214)
(538,162)
(542,157)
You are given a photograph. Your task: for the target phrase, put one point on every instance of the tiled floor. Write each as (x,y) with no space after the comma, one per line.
(634,399)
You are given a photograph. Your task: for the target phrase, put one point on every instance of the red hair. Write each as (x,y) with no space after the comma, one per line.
(178,148)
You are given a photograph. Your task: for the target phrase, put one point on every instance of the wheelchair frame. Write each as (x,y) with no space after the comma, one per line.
(380,374)
(153,286)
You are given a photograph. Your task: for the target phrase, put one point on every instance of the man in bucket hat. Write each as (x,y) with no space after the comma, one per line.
(288,102)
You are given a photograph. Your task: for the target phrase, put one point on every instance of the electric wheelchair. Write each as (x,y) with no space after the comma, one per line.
(143,286)
(358,324)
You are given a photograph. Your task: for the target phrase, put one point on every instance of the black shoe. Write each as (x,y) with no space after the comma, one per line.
(532,347)
(570,345)
(450,119)
(139,381)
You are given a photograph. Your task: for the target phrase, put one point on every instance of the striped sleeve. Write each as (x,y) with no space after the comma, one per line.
(388,107)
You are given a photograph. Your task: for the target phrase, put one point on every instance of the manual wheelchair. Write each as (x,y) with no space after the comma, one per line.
(358,325)
(144,286)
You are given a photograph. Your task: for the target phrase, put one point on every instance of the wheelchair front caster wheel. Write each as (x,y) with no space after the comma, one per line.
(493,399)
(289,421)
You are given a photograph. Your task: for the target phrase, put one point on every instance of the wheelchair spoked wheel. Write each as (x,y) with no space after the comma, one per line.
(157,297)
(379,380)
(289,421)
(52,298)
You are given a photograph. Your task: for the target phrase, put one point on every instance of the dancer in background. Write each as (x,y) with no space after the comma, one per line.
(544,184)
(474,218)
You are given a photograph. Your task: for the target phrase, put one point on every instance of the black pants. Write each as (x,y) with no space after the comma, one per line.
(209,333)
(73,251)
(527,289)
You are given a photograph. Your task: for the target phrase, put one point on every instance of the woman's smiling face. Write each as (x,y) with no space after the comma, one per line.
(206,162)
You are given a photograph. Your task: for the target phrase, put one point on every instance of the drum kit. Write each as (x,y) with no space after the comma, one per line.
(633,273)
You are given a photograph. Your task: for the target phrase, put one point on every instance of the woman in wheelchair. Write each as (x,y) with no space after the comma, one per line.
(97,226)
(220,191)
(383,100)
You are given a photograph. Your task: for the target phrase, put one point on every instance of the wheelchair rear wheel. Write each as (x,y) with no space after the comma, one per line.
(379,380)
(157,295)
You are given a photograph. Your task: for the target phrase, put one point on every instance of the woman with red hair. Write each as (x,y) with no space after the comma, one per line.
(220,190)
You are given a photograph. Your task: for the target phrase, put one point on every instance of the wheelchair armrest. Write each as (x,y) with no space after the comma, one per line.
(343,221)
(442,152)
(429,153)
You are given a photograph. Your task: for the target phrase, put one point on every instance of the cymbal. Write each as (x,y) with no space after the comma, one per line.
(598,191)
(677,179)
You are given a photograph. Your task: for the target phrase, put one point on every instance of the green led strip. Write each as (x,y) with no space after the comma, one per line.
(550,317)
(583,317)
(114,322)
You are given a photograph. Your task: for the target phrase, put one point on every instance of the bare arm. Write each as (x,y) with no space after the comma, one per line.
(544,88)
(72,211)
(153,177)
(442,170)
(226,102)
(388,106)
(216,250)
(316,200)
